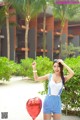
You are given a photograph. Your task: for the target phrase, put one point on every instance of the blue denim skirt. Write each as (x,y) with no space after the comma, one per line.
(52,104)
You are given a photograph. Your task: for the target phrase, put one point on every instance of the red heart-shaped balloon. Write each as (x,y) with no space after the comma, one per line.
(34,106)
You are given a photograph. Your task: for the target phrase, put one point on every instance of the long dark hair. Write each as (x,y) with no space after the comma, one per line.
(61,70)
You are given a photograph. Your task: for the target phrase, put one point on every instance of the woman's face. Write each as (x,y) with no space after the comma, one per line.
(56,68)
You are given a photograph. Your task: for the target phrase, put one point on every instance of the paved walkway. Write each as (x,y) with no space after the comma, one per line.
(14,95)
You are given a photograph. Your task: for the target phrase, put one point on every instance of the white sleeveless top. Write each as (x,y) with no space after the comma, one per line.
(53,87)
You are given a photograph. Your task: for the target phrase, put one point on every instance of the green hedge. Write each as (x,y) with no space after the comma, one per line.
(71,96)
(7,68)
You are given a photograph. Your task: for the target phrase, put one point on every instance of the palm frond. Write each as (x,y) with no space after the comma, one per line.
(68,12)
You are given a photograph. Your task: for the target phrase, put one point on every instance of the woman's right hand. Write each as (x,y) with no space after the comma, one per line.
(34,65)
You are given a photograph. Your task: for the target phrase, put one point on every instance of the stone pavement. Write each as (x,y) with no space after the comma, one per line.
(14,95)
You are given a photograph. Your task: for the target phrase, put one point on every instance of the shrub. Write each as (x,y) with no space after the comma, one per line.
(18,70)
(44,65)
(26,67)
(70,96)
(6,68)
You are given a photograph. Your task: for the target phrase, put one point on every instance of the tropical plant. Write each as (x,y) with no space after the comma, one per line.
(65,13)
(2,17)
(70,96)
(5,15)
(44,4)
(2,21)
(70,50)
(7,68)
(26,65)
(27,9)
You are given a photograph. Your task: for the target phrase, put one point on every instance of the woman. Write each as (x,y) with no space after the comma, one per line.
(52,102)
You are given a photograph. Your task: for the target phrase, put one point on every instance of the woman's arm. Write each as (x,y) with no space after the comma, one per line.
(36,77)
(71,72)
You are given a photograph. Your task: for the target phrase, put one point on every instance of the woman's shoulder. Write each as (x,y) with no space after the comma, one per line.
(50,75)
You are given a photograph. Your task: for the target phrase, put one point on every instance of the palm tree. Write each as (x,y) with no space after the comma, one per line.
(44,5)
(7,28)
(5,10)
(63,13)
(28,9)
(5,17)
(2,21)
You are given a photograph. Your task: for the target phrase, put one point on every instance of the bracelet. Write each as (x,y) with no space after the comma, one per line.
(34,71)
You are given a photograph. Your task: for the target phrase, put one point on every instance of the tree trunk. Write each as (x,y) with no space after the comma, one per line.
(8,36)
(60,41)
(62,28)
(26,38)
(66,109)
(44,34)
